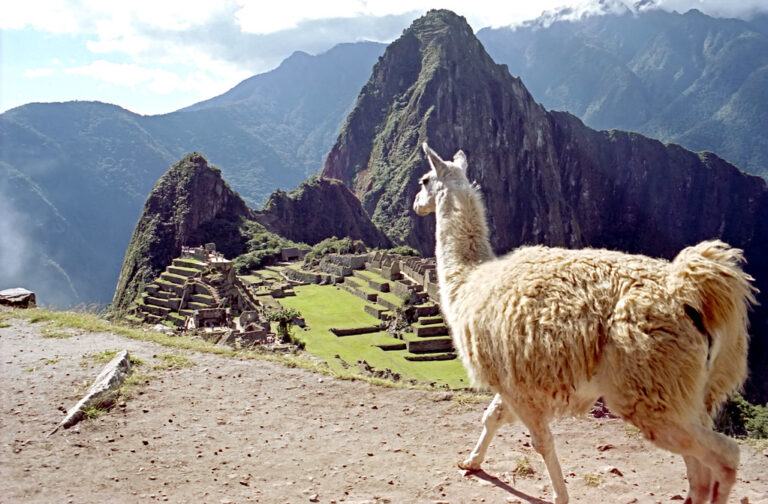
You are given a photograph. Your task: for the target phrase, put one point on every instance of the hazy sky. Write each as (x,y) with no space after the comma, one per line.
(156,56)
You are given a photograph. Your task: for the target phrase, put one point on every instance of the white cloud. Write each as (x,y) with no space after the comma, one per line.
(721,8)
(204,48)
(157,80)
(34,73)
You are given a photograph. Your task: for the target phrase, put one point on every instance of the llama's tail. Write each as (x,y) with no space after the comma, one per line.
(717,294)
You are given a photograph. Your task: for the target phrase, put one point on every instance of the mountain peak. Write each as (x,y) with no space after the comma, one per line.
(436,77)
(180,209)
(440,20)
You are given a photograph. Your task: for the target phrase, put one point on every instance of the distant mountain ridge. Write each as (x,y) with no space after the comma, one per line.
(546,178)
(685,78)
(87,167)
(93,164)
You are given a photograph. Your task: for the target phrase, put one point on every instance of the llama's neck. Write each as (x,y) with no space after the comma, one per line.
(461,240)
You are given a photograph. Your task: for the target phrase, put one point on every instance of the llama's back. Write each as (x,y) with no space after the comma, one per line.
(570,325)
(539,318)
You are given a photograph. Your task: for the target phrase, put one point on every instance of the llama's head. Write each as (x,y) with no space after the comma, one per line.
(443,176)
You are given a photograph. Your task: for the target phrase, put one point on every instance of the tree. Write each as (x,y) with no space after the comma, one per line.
(284,318)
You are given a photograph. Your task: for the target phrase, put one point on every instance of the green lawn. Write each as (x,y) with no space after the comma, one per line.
(325,306)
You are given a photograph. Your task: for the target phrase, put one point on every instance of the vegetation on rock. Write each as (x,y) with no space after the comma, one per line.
(190,205)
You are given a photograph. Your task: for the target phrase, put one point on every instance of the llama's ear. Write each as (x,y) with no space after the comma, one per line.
(435,161)
(460,160)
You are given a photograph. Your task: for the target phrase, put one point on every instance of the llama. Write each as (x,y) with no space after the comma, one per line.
(551,330)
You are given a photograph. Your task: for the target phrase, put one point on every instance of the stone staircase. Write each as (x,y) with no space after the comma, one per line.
(430,340)
(176,294)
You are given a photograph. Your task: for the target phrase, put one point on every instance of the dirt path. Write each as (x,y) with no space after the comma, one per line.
(227,430)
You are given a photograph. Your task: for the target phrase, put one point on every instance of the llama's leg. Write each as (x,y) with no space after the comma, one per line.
(544,443)
(712,450)
(699,481)
(494,417)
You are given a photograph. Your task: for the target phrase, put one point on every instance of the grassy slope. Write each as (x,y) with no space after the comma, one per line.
(324,307)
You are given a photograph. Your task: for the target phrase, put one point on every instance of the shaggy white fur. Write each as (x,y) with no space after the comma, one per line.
(551,330)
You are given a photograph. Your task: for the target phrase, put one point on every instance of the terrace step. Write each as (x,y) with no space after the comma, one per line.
(388,304)
(388,347)
(430,320)
(153,319)
(197,306)
(189,263)
(431,330)
(354,331)
(170,287)
(434,345)
(153,301)
(430,357)
(134,319)
(429,310)
(186,312)
(375,311)
(163,294)
(359,292)
(171,278)
(177,319)
(180,271)
(156,310)
(202,298)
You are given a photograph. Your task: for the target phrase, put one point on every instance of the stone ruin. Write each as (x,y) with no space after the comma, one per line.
(200,292)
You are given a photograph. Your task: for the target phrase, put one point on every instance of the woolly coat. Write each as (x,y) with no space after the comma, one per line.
(555,328)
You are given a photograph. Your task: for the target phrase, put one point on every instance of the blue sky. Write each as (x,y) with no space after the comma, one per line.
(158,56)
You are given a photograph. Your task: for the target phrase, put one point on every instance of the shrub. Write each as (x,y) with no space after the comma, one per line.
(404,250)
(333,245)
(740,418)
(284,319)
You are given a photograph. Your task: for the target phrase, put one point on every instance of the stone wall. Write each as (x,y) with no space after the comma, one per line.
(354,331)
(327,266)
(302,276)
(351,261)
(431,345)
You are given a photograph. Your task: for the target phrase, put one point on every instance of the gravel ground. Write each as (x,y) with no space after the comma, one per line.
(225,430)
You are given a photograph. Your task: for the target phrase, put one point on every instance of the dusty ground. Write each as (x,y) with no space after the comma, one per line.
(227,430)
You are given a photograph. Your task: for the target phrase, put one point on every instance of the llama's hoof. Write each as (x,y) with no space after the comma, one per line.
(468,465)
(561,499)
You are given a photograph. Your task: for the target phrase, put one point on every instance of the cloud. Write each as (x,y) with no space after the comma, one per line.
(204,48)
(34,73)
(156,80)
(718,8)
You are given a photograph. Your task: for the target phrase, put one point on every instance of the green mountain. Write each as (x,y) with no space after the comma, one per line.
(685,78)
(187,206)
(546,178)
(87,167)
(191,205)
(320,208)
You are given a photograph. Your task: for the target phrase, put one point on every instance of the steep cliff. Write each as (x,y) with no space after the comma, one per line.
(189,205)
(545,176)
(319,209)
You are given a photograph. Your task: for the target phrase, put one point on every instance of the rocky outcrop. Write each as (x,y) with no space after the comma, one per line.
(18,297)
(189,205)
(320,209)
(102,392)
(546,177)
